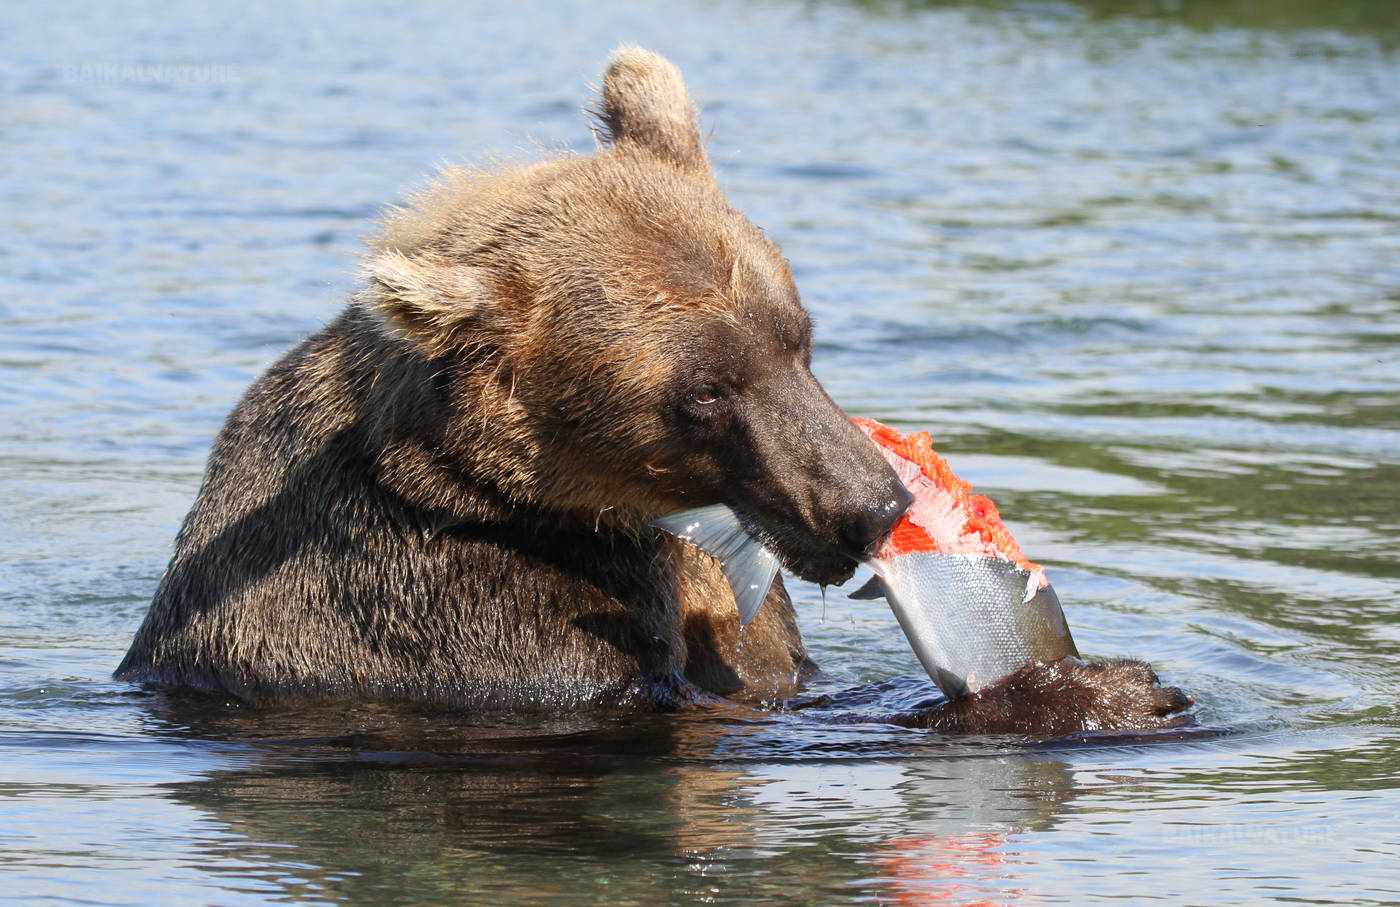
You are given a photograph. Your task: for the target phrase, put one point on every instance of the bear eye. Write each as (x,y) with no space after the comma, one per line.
(705,401)
(705,396)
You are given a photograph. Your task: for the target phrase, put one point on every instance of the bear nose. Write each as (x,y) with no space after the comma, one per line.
(868,527)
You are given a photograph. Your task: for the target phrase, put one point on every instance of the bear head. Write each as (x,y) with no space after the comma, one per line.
(606,338)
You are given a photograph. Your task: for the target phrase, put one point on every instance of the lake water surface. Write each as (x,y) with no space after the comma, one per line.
(1136,265)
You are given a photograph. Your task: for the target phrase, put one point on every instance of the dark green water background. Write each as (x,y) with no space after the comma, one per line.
(1136,265)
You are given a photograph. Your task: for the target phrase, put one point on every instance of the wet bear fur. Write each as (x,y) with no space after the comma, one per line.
(445,495)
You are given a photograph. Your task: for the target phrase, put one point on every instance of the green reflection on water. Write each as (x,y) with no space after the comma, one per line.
(1375,17)
(1331,523)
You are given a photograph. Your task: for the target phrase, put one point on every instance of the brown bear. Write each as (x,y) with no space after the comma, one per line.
(446,494)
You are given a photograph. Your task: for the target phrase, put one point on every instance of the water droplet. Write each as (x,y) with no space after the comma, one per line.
(823,588)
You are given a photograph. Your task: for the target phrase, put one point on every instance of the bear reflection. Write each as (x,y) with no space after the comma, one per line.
(334,801)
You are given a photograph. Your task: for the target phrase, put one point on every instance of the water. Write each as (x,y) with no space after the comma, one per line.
(1136,265)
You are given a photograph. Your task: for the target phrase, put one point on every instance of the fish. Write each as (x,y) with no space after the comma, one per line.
(972,606)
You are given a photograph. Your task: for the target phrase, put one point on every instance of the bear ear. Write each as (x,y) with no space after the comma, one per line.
(438,303)
(645,105)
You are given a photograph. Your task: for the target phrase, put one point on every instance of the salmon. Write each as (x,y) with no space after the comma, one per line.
(973,607)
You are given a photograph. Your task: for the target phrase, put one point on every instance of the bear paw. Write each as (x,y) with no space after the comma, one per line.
(1053,699)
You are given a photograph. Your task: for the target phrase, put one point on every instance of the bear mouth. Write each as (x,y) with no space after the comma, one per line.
(825,570)
(807,556)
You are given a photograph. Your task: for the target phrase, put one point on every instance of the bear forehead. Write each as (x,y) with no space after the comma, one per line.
(613,234)
(652,236)
(739,342)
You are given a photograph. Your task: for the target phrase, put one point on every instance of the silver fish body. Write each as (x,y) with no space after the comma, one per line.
(968,617)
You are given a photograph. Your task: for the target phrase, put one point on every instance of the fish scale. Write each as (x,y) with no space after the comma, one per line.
(968,618)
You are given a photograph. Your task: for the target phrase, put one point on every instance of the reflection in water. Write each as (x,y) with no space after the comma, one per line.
(335,802)
(1367,17)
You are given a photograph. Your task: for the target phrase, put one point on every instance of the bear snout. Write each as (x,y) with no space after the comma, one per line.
(870,521)
(819,489)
